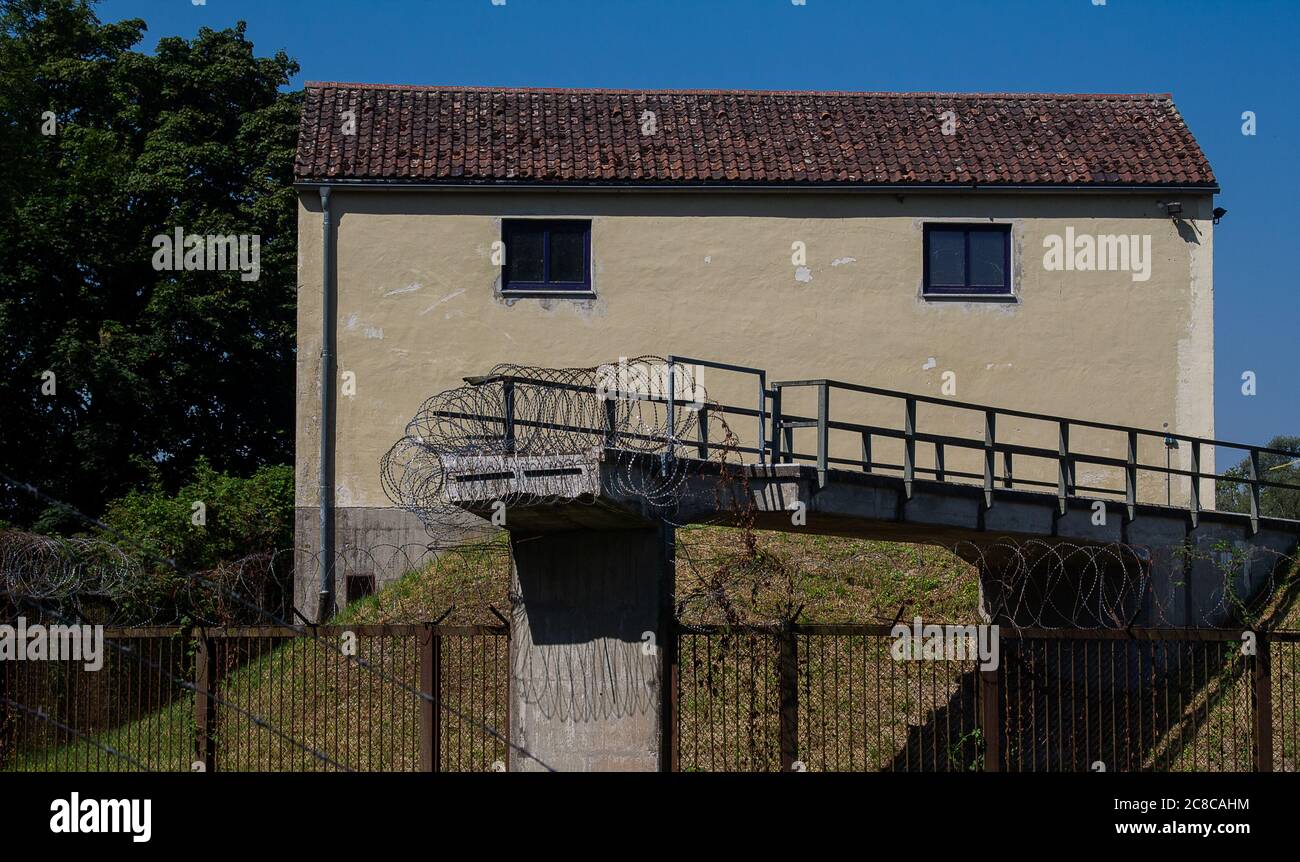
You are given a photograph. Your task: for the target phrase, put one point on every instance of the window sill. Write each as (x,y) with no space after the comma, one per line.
(531,293)
(1007,298)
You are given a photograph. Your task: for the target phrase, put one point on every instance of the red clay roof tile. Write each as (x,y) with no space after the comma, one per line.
(483,136)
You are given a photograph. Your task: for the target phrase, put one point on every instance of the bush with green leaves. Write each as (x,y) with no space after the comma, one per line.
(215,518)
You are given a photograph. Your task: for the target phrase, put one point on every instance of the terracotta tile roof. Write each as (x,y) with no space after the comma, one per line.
(472,135)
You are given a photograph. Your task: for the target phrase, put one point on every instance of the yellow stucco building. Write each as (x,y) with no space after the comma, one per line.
(1049,253)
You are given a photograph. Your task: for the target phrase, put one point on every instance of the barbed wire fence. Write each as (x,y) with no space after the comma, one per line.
(201,581)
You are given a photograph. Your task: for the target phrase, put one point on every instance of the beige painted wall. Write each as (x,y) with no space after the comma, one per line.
(710,275)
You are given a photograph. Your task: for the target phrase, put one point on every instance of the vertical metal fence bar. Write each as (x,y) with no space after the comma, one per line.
(788,687)
(1262,704)
(205,706)
(991,717)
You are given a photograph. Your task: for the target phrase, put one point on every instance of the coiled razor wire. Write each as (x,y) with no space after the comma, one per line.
(94,579)
(101,582)
(554,413)
(1042,584)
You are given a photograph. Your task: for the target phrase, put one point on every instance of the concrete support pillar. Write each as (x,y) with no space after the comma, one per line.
(590,648)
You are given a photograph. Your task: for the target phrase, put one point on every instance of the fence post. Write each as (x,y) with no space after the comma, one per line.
(671,732)
(431,706)
(205,703)
(788,686)
(991,717)
(1261,690)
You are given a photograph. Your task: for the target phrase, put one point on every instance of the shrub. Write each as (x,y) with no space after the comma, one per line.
(240,517)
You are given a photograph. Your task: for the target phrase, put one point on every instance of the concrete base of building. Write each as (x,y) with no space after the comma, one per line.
(370,542)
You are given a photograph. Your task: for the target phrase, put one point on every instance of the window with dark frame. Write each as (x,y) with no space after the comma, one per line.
(546,255)
(967,259)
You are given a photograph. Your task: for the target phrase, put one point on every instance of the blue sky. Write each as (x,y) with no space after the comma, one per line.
(1218,59)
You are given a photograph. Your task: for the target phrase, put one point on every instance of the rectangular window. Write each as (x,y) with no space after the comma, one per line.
(967,259)
(548,255)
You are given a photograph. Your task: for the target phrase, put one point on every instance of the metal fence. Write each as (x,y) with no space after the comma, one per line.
(744,698)
(833,697)
(366,697)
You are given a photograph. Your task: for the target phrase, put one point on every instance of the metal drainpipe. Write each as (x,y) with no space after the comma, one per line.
(325,547)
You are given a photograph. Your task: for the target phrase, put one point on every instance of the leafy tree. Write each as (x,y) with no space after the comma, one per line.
(152,369)
(1273,502)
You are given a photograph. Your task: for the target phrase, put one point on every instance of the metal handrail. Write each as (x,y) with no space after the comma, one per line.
(1067,459)
(775,441)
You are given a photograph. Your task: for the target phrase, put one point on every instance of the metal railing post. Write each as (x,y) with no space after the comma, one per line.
(611,422)
(1254,490)
(1130,476)
(1062,466)
(508,414)
(990,438)
(823,432)
(774,447)
(672,407)
(866,451)
(703,448)
(1194,501)
(909,445)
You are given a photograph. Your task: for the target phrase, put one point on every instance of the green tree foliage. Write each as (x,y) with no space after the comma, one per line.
(153,369)
(1273,502)
(240,517)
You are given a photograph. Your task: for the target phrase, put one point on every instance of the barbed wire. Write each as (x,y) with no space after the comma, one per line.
(469,437)
(1037,583)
